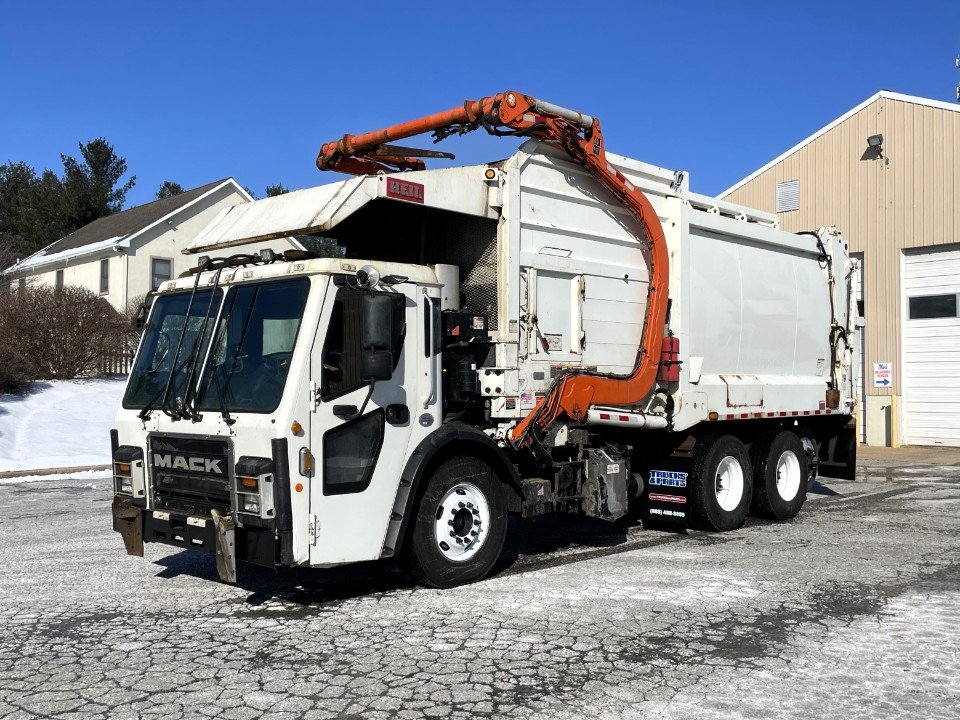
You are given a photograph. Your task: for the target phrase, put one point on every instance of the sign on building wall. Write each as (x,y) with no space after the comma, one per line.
(882,374)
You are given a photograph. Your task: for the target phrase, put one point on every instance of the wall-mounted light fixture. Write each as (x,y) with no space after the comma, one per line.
(875,143)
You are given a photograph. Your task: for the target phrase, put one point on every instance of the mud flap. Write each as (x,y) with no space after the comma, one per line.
(838,455)
(128,521)
(664,496)
(813,459)
(226,547)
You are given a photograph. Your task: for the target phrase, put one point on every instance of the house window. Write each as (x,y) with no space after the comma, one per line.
(59,280)
(929,307)
(788,196)
(161,270)
(105,276)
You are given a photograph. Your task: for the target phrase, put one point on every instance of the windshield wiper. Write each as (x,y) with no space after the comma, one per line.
(161,393)
(224,412)
(174,368)
(189,392)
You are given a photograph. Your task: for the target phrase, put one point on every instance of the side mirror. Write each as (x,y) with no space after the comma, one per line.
(383,330)
(376,365)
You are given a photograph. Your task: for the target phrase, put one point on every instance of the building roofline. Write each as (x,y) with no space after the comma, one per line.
(229,181)
(884,94)
(124,241)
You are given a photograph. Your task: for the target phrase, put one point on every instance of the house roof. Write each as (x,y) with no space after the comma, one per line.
(887,94)
(121,227)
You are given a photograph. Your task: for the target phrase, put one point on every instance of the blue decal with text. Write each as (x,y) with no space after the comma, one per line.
(668,478)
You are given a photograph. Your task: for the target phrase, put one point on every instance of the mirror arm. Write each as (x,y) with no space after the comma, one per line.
(367,399)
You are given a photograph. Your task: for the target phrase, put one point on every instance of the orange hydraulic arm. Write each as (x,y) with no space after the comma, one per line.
(511,113)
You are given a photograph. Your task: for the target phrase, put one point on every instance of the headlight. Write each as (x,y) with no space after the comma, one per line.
(128,474)
(254,486)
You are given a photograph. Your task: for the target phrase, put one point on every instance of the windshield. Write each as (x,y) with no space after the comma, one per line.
(152,367)
(254,341)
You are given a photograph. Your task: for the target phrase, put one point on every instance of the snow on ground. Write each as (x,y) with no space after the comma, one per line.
(78,475)
(60,423)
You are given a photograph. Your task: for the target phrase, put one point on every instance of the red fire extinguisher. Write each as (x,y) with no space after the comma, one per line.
(669,360)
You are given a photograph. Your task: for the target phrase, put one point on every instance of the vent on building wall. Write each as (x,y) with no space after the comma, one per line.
(788,196)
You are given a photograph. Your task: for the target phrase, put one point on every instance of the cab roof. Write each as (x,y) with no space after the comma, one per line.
(419,274)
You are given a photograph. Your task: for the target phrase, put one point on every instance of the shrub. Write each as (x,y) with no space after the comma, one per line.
(62,333)
(15,372)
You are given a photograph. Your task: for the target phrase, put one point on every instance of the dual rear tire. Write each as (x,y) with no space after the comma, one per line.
(727,483)
(780,467)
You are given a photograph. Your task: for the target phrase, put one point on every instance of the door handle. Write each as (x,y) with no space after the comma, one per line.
(345,412)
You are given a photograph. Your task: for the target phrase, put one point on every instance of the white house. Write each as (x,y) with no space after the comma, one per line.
(128,254)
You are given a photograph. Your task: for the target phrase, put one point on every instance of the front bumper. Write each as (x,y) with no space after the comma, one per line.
(137,525)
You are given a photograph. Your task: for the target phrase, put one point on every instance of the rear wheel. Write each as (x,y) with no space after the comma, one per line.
(781,472)
(721,482)
(460,524)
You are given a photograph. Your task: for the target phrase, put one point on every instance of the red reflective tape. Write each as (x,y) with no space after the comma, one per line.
(806,412)
(794,412)
(604,416)
(770,414)
(827,411)
(758,414)
(624,418)
(729,417)
(783,413)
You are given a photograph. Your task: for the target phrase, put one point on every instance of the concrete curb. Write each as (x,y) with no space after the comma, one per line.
(51,471)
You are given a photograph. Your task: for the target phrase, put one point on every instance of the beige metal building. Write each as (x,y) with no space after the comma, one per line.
(887,173)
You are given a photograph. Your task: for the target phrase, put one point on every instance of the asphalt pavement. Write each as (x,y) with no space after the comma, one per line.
(849,611)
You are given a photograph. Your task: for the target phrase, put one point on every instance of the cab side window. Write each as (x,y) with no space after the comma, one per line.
(342,346)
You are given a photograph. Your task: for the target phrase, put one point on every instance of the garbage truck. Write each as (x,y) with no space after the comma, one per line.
(563,331)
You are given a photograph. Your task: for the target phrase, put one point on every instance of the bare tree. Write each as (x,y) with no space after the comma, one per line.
(61,333)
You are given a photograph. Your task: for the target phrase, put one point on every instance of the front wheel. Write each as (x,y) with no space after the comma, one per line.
(460,524)
(721,484)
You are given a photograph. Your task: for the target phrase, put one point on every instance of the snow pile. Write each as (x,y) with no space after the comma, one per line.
(62,423)
(77,475)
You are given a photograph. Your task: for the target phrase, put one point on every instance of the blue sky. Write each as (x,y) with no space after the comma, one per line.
(194,91)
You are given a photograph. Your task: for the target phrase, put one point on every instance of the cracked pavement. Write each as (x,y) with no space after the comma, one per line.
(850,611)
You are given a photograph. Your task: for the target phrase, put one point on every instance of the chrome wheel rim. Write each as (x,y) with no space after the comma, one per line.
(462,522)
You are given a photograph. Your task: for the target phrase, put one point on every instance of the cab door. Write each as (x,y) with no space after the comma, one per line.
(360,437)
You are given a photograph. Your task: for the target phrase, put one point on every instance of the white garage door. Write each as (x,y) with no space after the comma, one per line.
(932,348)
